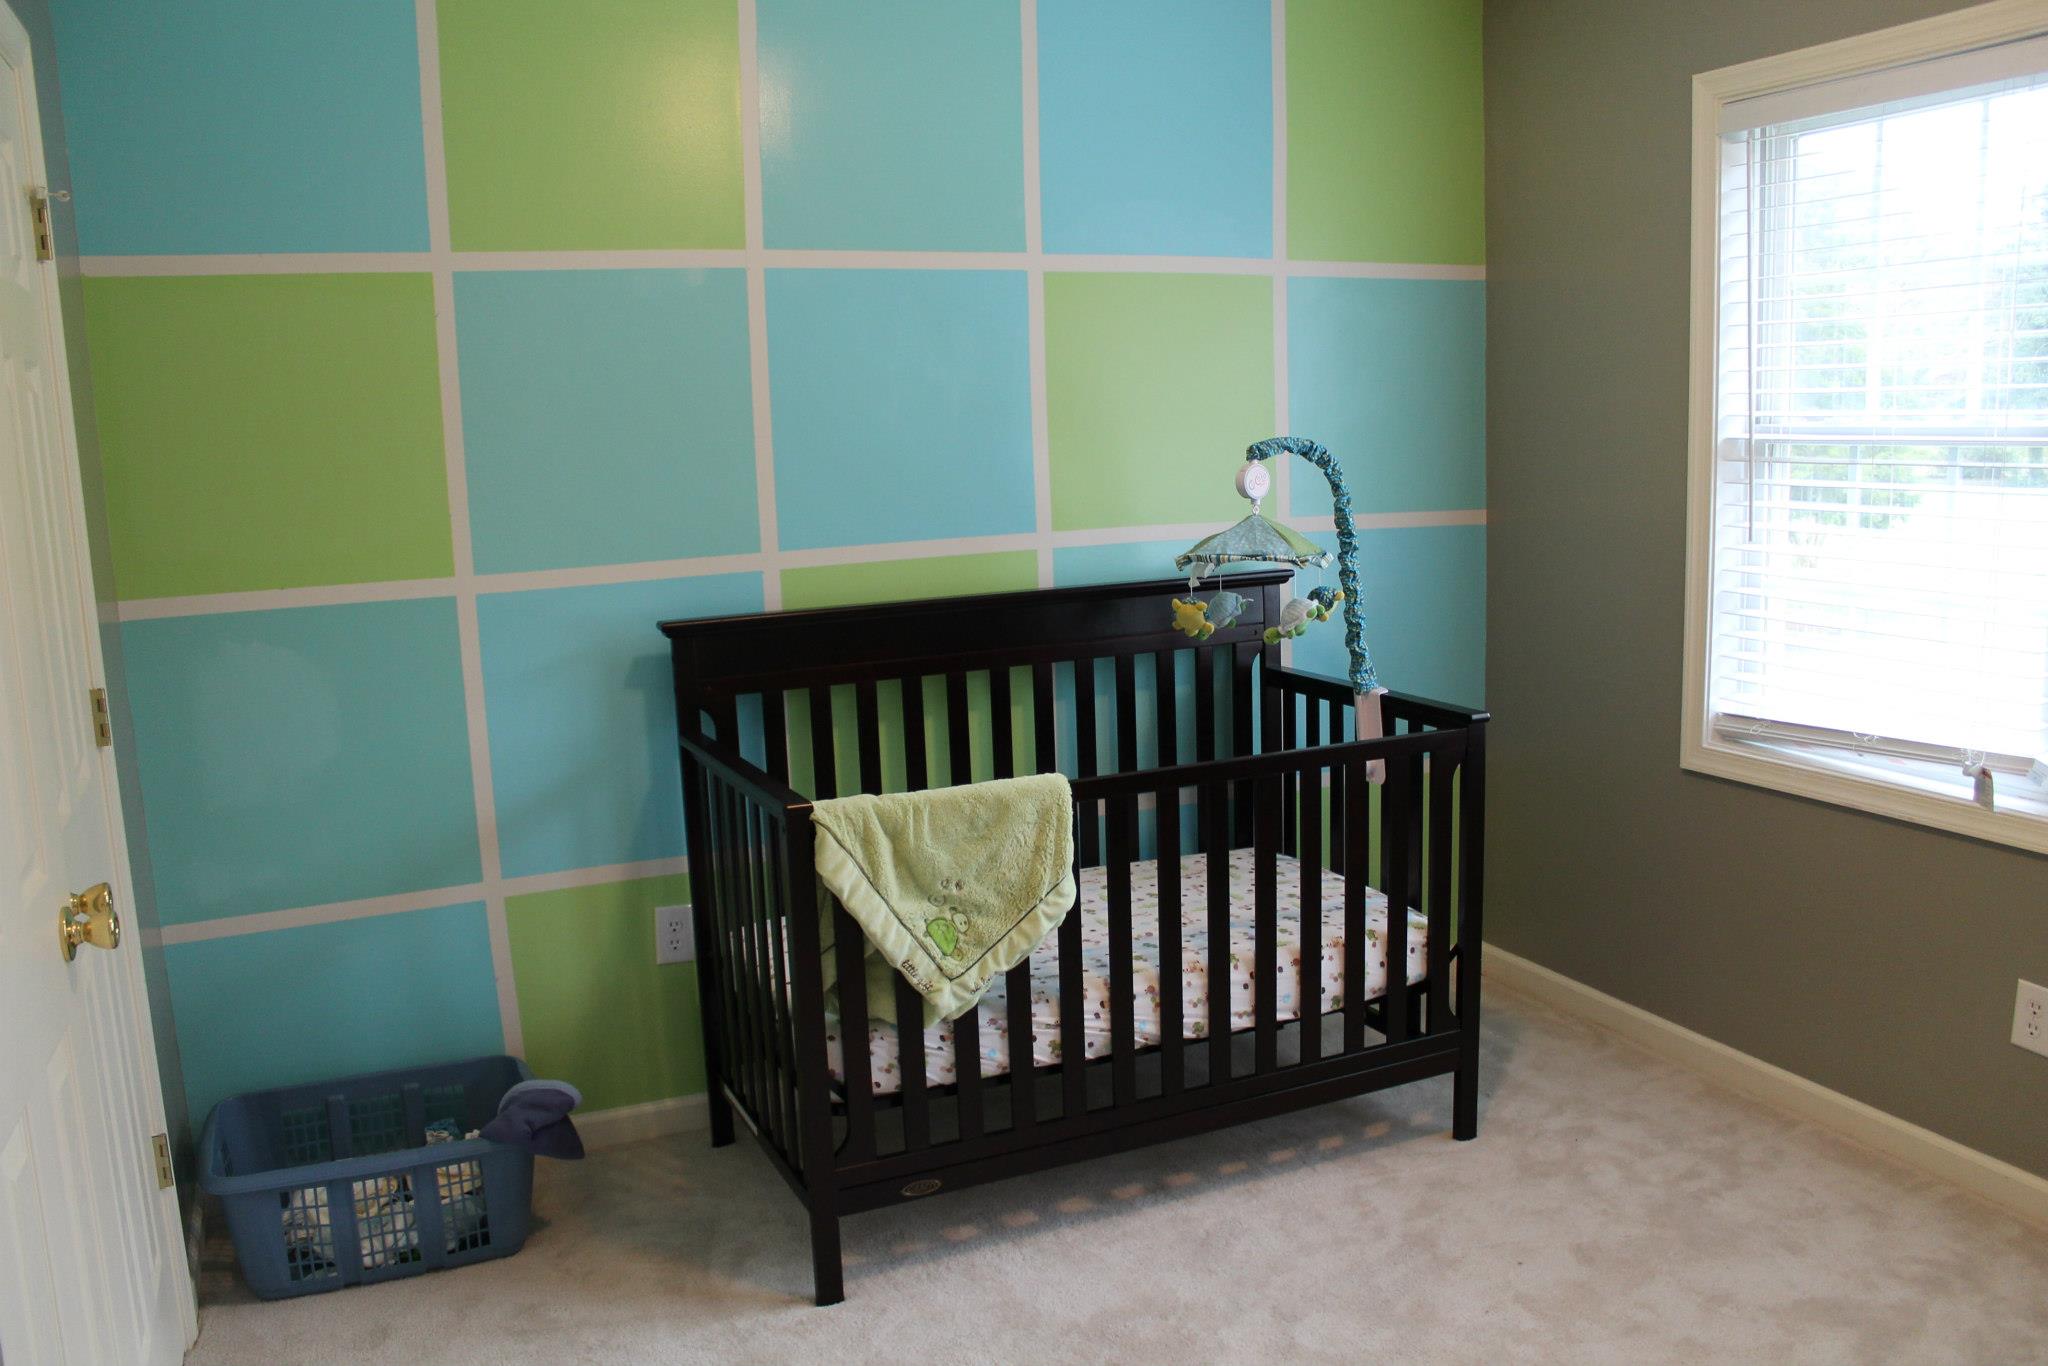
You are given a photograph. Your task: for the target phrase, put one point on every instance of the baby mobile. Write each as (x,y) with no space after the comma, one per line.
(1258,539)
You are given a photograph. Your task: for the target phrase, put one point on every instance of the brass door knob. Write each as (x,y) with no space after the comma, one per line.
(88,918)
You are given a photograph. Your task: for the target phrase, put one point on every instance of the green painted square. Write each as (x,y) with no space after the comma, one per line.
(587,127)
(1155,384)
(269,431)
(595,1007)
(1384,138)
(937,576)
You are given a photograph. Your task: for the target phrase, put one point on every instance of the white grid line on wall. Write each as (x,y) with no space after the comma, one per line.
(1034,298)
(470,634)
(528,580)
(757,303)
(1283,469)
(774,258)
(442,262)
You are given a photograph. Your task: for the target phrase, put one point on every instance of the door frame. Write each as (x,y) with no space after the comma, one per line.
(19,50)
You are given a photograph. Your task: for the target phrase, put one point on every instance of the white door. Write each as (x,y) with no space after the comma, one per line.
(92,1271)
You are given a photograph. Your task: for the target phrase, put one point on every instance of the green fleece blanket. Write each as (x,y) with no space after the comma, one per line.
(953,887)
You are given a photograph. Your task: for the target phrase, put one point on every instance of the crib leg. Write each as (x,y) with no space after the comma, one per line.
(720,1111)
(828,1282)
(1465,1096)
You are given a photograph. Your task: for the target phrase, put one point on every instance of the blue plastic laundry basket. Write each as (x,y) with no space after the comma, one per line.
(336,1184)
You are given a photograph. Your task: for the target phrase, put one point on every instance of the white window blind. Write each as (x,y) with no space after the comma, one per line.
(1879,579)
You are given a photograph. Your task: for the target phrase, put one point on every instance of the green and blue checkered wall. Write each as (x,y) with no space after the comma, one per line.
(440,347)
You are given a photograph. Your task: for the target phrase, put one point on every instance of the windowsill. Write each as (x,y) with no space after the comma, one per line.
(1902,789)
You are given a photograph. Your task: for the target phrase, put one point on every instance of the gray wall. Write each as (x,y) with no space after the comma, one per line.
(1870,956)
(140,920)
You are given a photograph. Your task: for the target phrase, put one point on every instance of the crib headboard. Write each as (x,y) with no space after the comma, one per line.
(753,683)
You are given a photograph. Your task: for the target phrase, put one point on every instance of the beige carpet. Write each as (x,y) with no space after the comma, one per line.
(1613,1209)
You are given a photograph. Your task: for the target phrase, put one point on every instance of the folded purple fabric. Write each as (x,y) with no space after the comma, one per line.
(535,1116)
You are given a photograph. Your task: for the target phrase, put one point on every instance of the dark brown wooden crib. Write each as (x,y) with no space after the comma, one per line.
(1219,783)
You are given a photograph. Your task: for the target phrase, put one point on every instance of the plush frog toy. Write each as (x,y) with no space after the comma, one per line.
(1191,618)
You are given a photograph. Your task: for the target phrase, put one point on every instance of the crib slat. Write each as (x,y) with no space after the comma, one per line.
(1002,742)
(1242,740)
(734,1031)
(1123,1048)
(848,949)
(778,936)
(967,1068)
(1292,790)
(1357,827)
(1205,703)
(1126,714)
(1044,753)
(771,1016)
(1311,856)
(1087,824)
(775,732)
(1397,808)
(1438,900)
(1023,1067)
(917,1101)
(916,769)
(824,761)
(958,738)
(869,726)
(744,951)
(1073,1018)
(1166,705)
(1214,811)
(1172,1049)
(1335,821)
(1266,795)
(721,911)
(734,878)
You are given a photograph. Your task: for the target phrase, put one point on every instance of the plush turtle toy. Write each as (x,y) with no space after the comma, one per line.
(1199,620)
(1299,612)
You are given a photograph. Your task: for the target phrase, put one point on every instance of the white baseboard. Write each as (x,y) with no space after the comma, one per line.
(631,1123)
(2005,1185)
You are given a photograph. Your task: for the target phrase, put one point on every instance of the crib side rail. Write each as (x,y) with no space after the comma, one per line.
(757,951)
(1156,1064)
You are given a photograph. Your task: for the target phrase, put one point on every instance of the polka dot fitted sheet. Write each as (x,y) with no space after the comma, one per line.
(940,1063)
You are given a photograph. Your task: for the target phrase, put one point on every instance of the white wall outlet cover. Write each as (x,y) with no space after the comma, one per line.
(2030,1018)
(675,935)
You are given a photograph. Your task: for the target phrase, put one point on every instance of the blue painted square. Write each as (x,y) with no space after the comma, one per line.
(287,1007)
(607,416)
(1425,612)
(892,127)
(1155,123)
(582,718)
(1391,376)
(301,756)
(902,404)
(200,126)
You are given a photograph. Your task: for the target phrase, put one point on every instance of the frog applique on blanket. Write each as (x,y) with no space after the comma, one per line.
(953,887)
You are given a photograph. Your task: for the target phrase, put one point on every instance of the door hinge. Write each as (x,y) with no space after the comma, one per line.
(165,1177)
(102,722)
(39,214)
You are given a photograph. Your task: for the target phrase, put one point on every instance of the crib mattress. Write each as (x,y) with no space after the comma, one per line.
(941,1066)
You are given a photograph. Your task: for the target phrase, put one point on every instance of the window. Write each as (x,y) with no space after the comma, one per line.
(1869,548)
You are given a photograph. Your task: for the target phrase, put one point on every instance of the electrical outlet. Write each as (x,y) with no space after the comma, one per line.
(2030,1018)
(675,935)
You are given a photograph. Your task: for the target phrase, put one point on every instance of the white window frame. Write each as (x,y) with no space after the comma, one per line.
(1815,771)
